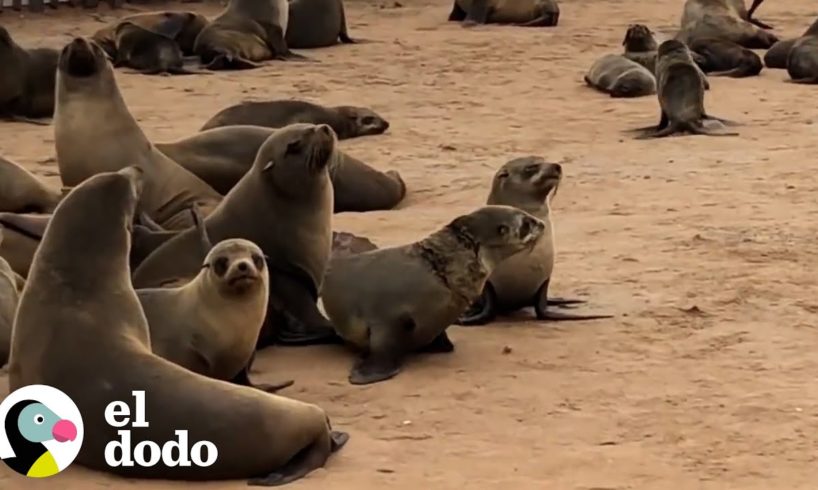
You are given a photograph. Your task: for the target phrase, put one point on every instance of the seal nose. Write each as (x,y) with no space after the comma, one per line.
(323,129)
(64,430)
(557,168)
(242,266)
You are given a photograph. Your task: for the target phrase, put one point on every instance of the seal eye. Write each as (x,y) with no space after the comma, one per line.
(258,261)
(502,175)
(39,419)
(502,230)
(294,147)
(531,170)
(368,120)
(220,266)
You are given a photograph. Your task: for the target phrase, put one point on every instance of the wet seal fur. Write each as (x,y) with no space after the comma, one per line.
(192,25)
(27,81)
(346,121)
(283,205)
(525,13)
(776,56)
(281,439)
(680,89)
(526,183)
(802,61)
(391,302)
(95,132)
(22,192)
(11,285)
(726,58)
(727,20)
(244,34)
(620,77)
(317,24)
(151,52)
(221,156)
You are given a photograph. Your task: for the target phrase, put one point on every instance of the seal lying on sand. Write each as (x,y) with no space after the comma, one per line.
(150,52)
(94,132)
(726,58)
(526,13)
(11,284)
(193,24)
(22,192)
(85,262)
(346,121)
(27,81)
(802,61)
(316,24)
(681,94)
(727,20)
(616,75)
(776,56)
(529,184)
(394,301)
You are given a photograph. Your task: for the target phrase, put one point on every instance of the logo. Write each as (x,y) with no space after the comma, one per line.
(40,431)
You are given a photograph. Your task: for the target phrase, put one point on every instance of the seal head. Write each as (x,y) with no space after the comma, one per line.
(235,267)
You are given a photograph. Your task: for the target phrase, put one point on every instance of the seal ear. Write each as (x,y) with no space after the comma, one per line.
(268,166)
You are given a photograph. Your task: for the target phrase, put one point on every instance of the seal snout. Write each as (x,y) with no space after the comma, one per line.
(64,431)
(531,229)
(78,58)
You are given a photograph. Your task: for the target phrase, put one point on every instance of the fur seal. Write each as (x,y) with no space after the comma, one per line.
(221,156)
(281,439)
(10,286)
(246,32)
(616,75)
(344,244)
(726,58)
(776,56)
(641,47)
(316,24)
(283,204)
(526,183)
(22,235)
(87,93)
(26,81)
(727,20)
(151,52)
(346,121)
(681,95)
(394,301)
(802,60)
(192,25)
(22,192)
(526,13)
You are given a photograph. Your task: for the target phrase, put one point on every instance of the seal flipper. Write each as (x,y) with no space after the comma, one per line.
(751,11)
(243,379)
(226,61)
(278,44)
(457,14)
(543,313)
(387,349)
(303,463)
(440,345)
(27,120)
(477,14)
(344,35)
(482,311)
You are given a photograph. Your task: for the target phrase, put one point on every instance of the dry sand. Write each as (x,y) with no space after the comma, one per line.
(703,247)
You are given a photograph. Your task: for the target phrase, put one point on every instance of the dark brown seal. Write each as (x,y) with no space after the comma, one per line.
(726,58)
(640,46)
(727,20)
(527,13)
(85,262)
(151,52)
(193,24)
(27,80)
(620,77)
(346,121)
(316,24)
(776,56)
(802,61)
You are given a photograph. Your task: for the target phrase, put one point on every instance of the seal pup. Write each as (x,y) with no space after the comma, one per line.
(283,204)
(149,52)
(10,286)
(317,24)
(525,13)
(776,56)
(211,324)
(681,95)
(87,93)
(192,25)
(526,183)
(802,61)
(640,46)
(26,81)
(620,77)
(281,439)
(221,156)
(394,301)
(22,235)
(245,33)
(346,121)
(344,244)
(22,192)
(726,58)
(727,20)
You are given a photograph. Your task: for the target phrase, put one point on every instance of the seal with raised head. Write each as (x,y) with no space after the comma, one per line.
(681,95)
(87,95)
(726,58)
(727,20)
(22,192)
(11,284)
(26,81)
(640,46)
(391,302)
(151,52)
(316,24)
(267,438)
(620,77)
(192,25)
(283,204)
(221,156)
(346,121)
(802,60)
(776,56)
(245,33)
(526,13)
(526,183)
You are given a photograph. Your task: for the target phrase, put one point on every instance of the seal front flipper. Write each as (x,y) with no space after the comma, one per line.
(306,461)
(751,11)
(543,313)
(278,44)
(387,349)
(482,311)
(457,14)
(243,379)
(477,14)
(440,345)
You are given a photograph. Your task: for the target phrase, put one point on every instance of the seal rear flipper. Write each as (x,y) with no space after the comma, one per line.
(230,62)
(303,463)
(440,345)
(726,122)
(663,123)
(700,128)
(805,81)
(338,440)
(541,304)
(243,379)
(457,14)
(477,14)
(387,349)
(482,311)
(546,19)
(751,11)
(176,70)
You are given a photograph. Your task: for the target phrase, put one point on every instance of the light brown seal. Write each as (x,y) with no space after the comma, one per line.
(26,81)
(87,95)
(346,121)
(680,89)
(11,284)
(620,77)
(22,235)
(151,52)
(526,183)
(283,205)
(316,24)
(526,13)
(281,439)
(776,56)
(245,33)
(726,58)
(193,24)
(802,60)
(394,301)
(727,20)
(22,192)
(221,156)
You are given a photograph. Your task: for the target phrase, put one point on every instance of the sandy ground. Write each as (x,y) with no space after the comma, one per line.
(703,247)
